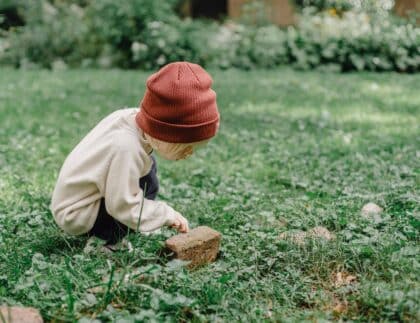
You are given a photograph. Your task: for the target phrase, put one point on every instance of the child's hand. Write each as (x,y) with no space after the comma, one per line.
(180,223)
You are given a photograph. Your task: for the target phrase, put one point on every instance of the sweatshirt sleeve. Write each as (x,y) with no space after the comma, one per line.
(124,197)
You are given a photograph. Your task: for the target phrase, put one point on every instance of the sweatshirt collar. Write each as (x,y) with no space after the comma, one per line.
(144,142)
(142,138)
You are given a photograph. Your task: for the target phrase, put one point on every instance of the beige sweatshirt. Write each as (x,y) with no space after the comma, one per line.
(108,163)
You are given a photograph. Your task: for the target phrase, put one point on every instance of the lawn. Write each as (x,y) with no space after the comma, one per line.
(295,150)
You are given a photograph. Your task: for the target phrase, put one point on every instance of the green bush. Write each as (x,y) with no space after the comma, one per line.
(321,5)
(355,42)
(161,43)
(118,24)
(147,34)
(248,47)
(92,32)
(50,33)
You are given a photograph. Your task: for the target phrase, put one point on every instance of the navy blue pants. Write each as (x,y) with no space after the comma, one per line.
(108,228)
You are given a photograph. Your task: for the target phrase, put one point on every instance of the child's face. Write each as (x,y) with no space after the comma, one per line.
(173,151)
(176,154)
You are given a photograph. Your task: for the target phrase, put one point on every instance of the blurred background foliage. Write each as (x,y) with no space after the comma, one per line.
(339,35)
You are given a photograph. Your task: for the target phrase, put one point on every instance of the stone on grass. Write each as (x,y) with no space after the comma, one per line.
(371,208)
(321,232)
(16,314)
(372,211)
(199,246)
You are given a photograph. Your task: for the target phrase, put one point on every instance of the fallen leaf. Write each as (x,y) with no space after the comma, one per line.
(336,306)
(343,279)
(340,308)
(96,290)
(116,305)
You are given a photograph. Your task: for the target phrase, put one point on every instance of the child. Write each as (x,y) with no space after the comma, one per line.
(108,182)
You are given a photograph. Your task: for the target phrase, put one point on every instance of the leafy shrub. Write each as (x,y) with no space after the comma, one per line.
(93,32)
(355,42)
(264,53)
(161,43)
(321,5)
(51,32)
(119,24)
(147,34)
(247,47)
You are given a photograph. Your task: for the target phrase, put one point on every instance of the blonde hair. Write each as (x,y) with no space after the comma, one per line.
(174,151)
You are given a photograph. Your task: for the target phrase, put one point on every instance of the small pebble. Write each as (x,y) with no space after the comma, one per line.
(372,211)
(321,232)
(371,208)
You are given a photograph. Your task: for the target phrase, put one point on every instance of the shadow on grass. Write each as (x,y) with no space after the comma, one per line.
(59,244)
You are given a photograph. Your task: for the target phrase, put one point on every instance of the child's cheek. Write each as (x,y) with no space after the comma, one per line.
(169,155)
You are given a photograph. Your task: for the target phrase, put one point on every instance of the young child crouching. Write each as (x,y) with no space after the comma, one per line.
(108,182)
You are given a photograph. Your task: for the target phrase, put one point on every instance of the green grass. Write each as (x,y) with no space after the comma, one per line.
(295,150)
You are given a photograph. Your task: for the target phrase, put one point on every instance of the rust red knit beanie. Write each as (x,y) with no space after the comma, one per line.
(179,105)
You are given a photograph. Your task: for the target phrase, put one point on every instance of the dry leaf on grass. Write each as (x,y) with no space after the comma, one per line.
(117,305)
(96,290)
(336,305)
(343,279)
(340,308)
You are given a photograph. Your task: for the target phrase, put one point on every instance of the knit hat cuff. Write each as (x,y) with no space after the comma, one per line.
(176,133)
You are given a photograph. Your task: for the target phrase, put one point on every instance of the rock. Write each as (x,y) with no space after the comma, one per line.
(370,209)
(199,246)
(16,314)
(321,232)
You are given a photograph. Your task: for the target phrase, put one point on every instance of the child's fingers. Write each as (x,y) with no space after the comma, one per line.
(180,224)
(184,226)
(176,224)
